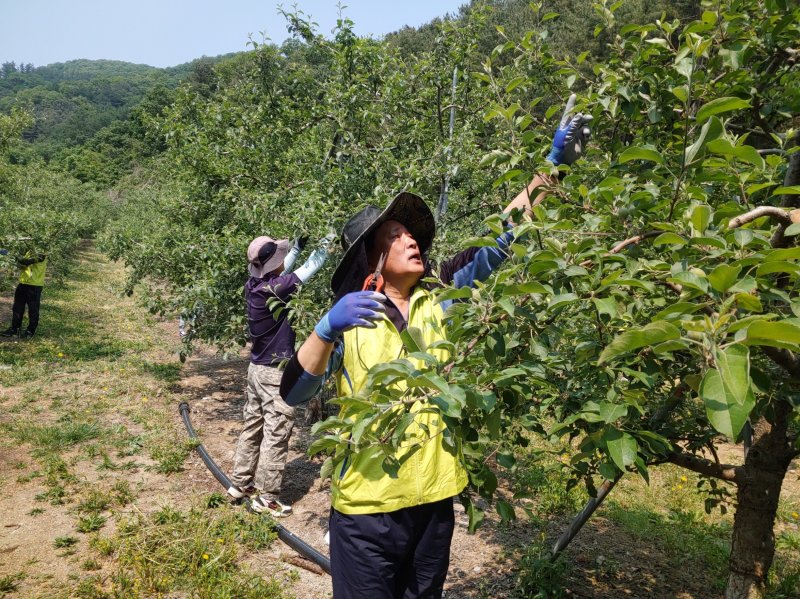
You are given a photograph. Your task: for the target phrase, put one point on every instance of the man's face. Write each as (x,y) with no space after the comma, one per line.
(403,256)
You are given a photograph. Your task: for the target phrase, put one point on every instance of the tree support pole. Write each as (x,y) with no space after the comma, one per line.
(441,208)
(583,516)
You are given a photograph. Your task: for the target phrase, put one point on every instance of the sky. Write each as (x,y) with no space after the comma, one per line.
(164,33)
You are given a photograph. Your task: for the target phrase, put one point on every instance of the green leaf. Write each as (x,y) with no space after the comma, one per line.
(326,469)
(607,471)
(746,154)
(742,237)
(681,92)
(747,321)
(475,517)
(691,280)
(719,106)
(622,447)
(725,414)
(454,293)
(323,444)
(700,217)
(505,510)
(448,405)
(791,230)
(677,309)
(669,239)
(405,421)
(746,284)
(639,153)
(524,289)
(561,300)
(786,190)
(413,340)
(496,343)
(606,305)
(610,412)
(748,302)
(651,334)
(668,347)
(773,334)
(733,365)
(506,460)
(710,131)
(723,276)
(780,266)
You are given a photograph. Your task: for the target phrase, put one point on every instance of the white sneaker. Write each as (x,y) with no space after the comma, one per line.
(238,493)
(273,507)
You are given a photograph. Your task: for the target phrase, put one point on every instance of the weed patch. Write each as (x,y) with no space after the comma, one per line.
(9,583)
(169,457)
(64,542)
(540,577)
(50,438)
(194,551)
(90,523)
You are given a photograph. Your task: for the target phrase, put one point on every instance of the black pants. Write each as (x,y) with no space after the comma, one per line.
(26,295)
(396,555)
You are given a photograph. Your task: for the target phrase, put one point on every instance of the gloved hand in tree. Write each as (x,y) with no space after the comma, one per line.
(356,309)
(571,136)
(326,241)
(315,261)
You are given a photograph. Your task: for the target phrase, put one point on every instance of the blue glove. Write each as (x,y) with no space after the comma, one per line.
(571,136)
(356,309)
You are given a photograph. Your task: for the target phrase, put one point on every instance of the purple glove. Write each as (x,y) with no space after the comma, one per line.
(571,136)
(356,309)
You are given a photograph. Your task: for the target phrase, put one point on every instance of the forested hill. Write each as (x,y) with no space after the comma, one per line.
(71,102)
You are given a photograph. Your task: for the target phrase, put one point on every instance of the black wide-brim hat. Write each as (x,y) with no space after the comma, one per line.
(408,209)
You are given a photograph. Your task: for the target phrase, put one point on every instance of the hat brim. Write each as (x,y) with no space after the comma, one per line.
(273,263)
(408,209)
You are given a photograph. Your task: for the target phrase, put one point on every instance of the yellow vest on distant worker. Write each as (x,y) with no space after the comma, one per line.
(359,484)
(34,274)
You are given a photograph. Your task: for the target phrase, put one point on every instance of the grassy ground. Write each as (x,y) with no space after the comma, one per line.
(91,452)
(650,540)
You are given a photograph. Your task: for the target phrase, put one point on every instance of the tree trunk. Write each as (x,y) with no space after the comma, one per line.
(753,544)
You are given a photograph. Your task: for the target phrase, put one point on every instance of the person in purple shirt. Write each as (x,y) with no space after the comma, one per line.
(268,420)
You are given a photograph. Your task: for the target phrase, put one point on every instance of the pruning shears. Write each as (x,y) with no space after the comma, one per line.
(374,282)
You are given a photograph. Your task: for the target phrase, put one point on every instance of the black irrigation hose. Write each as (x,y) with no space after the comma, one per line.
(288,537)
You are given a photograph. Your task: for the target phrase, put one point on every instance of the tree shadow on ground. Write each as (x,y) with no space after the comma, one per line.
(640,554)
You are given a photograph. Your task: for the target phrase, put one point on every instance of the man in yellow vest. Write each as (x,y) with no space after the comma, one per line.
(390,537)
(28,293)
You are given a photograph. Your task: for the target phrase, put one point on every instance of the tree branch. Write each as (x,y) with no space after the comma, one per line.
(633,240)
(785,359)
(625,243)
(777,213)
(792,177)
(728,472)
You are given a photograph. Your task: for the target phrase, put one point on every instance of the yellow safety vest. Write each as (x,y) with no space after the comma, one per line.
(34,274)
(359,484)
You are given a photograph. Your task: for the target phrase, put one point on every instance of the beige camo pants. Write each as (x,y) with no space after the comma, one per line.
(264,441)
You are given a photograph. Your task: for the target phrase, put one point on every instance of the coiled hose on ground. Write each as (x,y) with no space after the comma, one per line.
(288,537)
